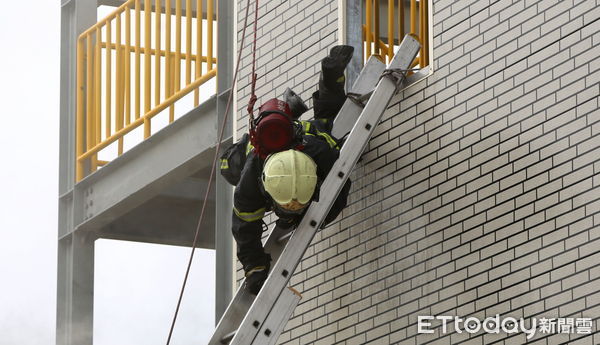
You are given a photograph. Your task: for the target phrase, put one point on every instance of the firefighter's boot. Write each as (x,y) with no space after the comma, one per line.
(330,97)
(257,273)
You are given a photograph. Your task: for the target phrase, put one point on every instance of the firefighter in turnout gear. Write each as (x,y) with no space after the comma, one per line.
(284,163)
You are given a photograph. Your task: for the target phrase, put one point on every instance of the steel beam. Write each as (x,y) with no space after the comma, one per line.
(174,153)
(75,307)
(354,20)
(224,255)
(75,269)
(169,218)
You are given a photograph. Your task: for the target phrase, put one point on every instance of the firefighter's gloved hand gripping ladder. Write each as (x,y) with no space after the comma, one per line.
(260,319)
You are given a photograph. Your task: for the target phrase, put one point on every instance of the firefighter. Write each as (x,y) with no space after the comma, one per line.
(286,162)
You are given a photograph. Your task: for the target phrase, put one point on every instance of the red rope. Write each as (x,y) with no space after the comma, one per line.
(214,163)
(252,93)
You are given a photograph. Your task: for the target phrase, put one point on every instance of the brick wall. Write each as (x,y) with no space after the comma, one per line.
(479,193)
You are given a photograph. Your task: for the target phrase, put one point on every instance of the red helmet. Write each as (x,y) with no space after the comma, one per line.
(274,130)
(274,106)
(274,133)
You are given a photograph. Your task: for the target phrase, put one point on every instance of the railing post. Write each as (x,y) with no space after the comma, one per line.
(368,28)
(127,66)
(147,62)
(108,80)
(98,84)
(177,45)
(80,91)
(377,34)
(90,119)
(188,41)
(413,17)
(425,43)
(198,71)
(209,30)
(138,44)
(157,57)
(168,57)
(390,51)
(422,32)
(119,83)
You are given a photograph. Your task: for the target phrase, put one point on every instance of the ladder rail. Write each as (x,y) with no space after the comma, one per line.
(357,141)
(278,317)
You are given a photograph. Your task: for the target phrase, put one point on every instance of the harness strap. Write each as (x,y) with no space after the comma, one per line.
(396,75)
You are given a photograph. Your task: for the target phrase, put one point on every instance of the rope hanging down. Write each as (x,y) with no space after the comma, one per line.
(217,149)
(252,92)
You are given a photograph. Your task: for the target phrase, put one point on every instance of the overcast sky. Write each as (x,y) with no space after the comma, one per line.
(137,285)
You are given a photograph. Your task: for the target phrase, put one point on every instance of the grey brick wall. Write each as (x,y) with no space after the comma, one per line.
(479,193)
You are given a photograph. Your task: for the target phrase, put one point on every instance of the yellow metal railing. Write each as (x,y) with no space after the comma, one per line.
(399,14)
(117,74)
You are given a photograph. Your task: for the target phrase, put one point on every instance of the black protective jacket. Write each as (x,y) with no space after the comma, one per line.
(251,201)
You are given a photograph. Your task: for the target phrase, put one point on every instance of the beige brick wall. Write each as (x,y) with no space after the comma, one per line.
(480,191)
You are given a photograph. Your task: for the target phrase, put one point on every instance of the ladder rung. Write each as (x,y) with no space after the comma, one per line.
(227,338)
(285,237)
(360,99)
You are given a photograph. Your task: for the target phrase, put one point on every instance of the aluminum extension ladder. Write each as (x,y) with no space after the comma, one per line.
(260,319)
